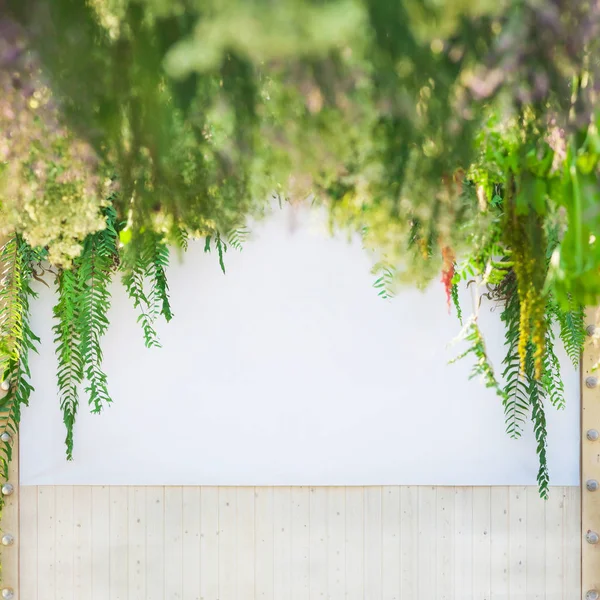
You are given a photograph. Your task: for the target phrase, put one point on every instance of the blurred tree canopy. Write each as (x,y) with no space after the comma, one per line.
(455,136)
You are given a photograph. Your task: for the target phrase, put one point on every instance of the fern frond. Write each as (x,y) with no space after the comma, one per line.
(538,417)
(144,267)
(572,329)
(94,268)
(221,249)
(67,342)
(551,380)
(220,245)
(456,302)
(516,402)
(384,284)
(237,237)
(18,339)
(482,366)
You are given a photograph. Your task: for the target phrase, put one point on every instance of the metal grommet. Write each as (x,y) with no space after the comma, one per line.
(590,329)
(591,537)
(592,435)
(7,489)
(8,593)
(5,437)
(592,595)
(591,382)
(7,539)
(591,485)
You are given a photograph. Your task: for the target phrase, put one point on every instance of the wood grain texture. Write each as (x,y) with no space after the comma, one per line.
(590,460)
(300,543)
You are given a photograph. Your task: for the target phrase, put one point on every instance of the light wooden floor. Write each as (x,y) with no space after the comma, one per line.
(376,543)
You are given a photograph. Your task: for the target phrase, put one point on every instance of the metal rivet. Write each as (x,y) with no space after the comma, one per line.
(592,595)
(8,593)
(5,385)
(7,539)
(5,437)
(592,435)
(591,381)
(7,489)
(591,485)
(591,537)
(590,330)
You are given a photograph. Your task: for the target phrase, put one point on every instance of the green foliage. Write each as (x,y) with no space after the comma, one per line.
(471,334)
(516,400)
(572,329)
(384,284)
(71,365)
(94,269)
(144,264)
(18,261)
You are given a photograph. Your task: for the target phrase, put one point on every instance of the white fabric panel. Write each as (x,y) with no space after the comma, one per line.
(289,370)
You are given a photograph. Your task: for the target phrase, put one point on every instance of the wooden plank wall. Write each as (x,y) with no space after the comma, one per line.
(300,543)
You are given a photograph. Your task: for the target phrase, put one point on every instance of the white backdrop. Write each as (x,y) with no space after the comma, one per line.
(288,370)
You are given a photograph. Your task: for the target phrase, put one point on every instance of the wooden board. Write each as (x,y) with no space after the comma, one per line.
(590,460)
(380,543)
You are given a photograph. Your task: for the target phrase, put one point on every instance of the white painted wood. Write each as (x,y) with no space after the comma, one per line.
(336,543)
(301,543)
(155,543)
(318,543)
(571,552)
(481,543)
(282,543)
(191,543)
(377,543)
(355,536)
(291,368)
(499,541)
(263,511)
(101,543)
(245,549)
(426,543)
(209,543)
(227,543)
(136,549)
(173,552)
(517,523)
(463,541)
(390,543)
(373,543)
(46,516)
(29,564)
(409,526)
(536,546)
(444,533)
(64,547)
(82,542)
(119,542)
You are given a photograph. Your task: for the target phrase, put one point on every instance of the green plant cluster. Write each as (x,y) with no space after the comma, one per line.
(457,138)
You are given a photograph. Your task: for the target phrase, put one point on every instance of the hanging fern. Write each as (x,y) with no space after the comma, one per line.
(237,237)
(220,245)
(482,366)
(18,339)
(94,270)
(572,329)
(384,284)
(144,267)
(516,401)
(538,417)
(551,379)
(68,350)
